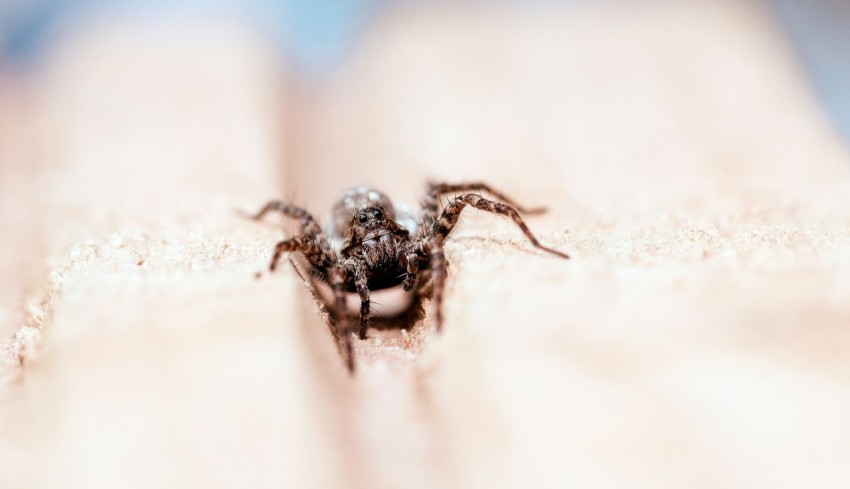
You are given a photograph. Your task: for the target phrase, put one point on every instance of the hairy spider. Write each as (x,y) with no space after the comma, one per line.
(381,246)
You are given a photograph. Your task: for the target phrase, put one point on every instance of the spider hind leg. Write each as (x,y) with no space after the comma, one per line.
(431,204)
(447,220)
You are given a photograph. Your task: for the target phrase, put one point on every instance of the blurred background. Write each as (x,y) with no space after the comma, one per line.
(317,35)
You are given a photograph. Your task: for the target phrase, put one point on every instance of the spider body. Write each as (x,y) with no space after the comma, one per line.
(377,241)
(382,246)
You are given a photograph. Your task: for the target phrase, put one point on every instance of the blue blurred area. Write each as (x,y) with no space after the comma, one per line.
(318,33)
(821,30)
(321,31)
(23,25)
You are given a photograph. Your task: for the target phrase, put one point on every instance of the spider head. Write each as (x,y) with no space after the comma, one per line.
(371,223)
(360,207)
(364,217)
(369,216)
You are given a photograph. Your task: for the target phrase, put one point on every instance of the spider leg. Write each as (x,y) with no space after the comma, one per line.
(412,270)
(336,279)
(312,243)
(444,224)
(308,247)
(309,226)
(438,278)
(431,204)
(316,249)
(361,282)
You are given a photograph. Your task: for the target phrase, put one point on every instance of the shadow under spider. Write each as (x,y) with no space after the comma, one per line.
(408,319)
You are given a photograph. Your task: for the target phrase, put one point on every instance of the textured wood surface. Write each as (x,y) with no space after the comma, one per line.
(698,338)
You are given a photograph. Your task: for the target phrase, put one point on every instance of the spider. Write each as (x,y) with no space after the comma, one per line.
(382,246)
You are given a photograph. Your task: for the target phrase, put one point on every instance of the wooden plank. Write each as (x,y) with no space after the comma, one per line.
(697,338)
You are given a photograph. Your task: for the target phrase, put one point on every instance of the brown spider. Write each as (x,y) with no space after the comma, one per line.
(383,246)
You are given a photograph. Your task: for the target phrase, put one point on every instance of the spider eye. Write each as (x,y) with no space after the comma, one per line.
(362,217)
(377,214)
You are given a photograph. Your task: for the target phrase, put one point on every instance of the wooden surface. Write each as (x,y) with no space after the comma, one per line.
(698,338)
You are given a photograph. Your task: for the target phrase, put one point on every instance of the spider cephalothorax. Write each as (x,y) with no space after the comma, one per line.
(382,246)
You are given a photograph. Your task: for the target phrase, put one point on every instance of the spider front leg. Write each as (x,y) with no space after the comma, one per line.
(309,226)
(311,243)
(412,269)
(439,268)
(336,279)
(309,248)
(444,224)
(361,282)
